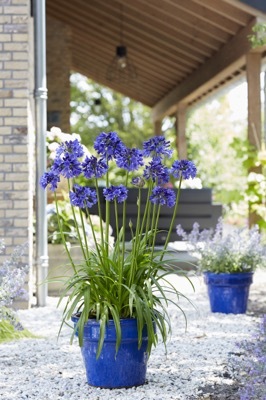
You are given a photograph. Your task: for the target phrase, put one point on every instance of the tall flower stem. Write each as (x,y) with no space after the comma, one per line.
(120,257)
(153,223)
(146,215)
(155,231)
(99,210)
(137,235)
(94,238)
(116,219)
(63,235)
(84,233)
(77,226)
(107,217)
(137,240)
(173,218)
(124,222)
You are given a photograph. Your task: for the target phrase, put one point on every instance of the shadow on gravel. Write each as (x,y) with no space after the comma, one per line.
(257,306)
(218,392)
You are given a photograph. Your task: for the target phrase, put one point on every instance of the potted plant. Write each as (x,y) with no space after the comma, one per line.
(228,262)
(118,294)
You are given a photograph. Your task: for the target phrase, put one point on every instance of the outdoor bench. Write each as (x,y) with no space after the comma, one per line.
(195,205)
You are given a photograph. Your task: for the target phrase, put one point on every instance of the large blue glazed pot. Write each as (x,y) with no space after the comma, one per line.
(127,368)
(228,293)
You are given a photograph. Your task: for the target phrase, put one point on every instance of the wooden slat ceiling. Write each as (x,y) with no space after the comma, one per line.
(182,49)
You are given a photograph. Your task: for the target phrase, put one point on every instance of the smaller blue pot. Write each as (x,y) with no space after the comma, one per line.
(127,368)
(228,293)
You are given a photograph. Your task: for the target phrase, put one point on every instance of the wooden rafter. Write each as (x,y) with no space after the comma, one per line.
(182,49)
(232,55)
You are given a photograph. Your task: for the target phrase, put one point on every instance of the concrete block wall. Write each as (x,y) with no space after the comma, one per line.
(16,126)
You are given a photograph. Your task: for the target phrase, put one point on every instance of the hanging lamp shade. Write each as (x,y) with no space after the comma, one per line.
(121,69)
(97,105)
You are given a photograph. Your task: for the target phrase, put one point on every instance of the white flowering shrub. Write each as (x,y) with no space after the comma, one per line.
(241,250)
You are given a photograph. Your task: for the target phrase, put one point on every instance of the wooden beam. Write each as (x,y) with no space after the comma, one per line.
(254,113)
(158,128)
(183,19)
(207,15)
(254,100)
(133,30)
(226,10)
(229,58)
(181,140)
(245,7)
(78,23)
(169,20)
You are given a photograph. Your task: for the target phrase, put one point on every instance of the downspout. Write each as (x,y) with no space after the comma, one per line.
(264,133)
(40,95)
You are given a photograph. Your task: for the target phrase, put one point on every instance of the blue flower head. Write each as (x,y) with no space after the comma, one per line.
(50,178)
(163,196)
(184,168)
(118,193)
(66,161)
(93,168)
(70,147)
(67,165)
(157,147)
(130,159)
(108,145)
(156,171)
(82,196)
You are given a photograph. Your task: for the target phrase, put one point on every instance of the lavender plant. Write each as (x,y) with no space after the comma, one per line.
(253,367)
(242,250)
(114,281)
(13,273)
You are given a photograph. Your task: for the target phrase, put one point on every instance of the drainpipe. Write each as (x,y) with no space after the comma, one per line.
(40,95)
(264,135)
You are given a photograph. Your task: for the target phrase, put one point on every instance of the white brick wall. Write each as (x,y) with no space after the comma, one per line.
(16,131)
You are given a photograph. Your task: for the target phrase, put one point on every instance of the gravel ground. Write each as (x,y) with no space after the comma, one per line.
(196,366)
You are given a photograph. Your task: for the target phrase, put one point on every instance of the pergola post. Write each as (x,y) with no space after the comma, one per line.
(254,109)
(157,127)
(181,141)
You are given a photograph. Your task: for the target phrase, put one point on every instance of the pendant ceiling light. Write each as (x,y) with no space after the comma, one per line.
(97,105)
(121,68)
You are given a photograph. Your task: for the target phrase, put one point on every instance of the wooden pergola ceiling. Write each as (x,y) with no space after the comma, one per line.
(182,49)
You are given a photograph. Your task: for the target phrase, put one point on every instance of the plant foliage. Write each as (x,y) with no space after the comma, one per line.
(241,250)
(251,367)
(13,273)
(114,280)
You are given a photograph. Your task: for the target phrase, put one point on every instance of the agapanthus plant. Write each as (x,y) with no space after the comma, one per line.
(240,250)
(116,280)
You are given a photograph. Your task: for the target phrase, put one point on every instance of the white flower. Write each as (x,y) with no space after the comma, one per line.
(75,136)
(53,133)
(86,151)
(64,137)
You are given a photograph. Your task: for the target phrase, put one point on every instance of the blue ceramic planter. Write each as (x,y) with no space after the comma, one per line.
(228,293)
(127,368)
